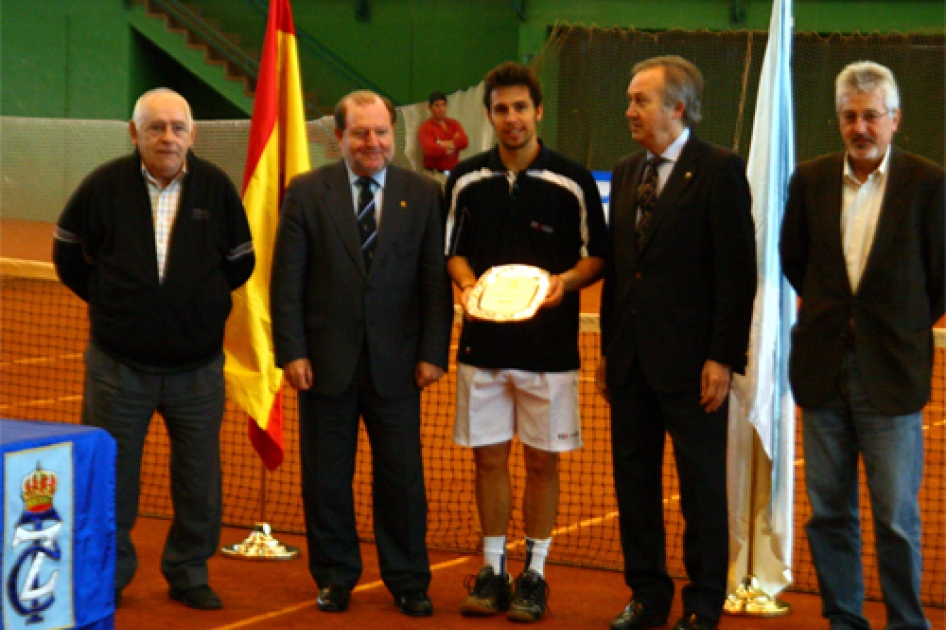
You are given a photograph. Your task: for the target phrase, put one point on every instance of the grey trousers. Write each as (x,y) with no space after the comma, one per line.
(122,400)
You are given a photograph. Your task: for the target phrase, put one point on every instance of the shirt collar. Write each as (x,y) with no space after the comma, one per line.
(151,179)
(880,171)
(540,161)
(672,152)
(378,177)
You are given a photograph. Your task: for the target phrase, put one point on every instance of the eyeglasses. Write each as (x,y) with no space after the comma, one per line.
(157,129)
(870,117)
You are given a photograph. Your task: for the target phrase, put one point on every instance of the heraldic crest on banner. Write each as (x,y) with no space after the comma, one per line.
(38,539)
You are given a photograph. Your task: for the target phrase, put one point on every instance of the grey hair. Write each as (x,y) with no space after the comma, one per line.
(138,114)
(683,83)
(867,77)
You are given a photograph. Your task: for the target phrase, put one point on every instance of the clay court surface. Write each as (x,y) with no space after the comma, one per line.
(282,595)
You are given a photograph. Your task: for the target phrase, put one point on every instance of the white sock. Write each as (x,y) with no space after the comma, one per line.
(536,553)
(494,553)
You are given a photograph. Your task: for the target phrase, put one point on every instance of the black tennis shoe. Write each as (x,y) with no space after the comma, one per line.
(489,593)
(530,597)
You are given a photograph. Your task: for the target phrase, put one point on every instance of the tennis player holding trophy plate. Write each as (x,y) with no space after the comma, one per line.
(525,232)
(508,293)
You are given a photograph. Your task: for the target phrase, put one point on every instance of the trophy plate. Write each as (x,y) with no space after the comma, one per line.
(508,293)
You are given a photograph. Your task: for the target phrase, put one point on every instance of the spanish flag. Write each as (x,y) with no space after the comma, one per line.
(277,151)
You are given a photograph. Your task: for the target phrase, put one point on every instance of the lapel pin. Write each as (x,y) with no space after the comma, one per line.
(403,204)
(688,175)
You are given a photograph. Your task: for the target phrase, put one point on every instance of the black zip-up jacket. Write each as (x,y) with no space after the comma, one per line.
(104,251)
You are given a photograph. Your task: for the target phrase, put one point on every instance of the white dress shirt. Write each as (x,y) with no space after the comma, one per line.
(860,209)
(670,156)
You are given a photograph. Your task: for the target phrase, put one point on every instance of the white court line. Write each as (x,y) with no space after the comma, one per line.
(310,603)
(40,403)
(567,529)
(42,360)
(443,565)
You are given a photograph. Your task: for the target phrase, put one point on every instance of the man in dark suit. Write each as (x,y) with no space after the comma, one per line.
(675,315)
(862,244)
(362,312)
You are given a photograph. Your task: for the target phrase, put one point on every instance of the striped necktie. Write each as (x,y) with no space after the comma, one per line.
(647,197)
(367,224)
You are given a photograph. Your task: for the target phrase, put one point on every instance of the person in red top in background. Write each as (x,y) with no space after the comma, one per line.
(441,138)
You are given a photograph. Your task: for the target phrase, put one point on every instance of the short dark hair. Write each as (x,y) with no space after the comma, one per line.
(512,74)
(361,98)
(436,96)
(683,83)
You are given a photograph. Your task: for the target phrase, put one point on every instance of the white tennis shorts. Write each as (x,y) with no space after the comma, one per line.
(541,407)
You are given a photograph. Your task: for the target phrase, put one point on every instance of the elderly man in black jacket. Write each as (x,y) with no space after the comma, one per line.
(155,242)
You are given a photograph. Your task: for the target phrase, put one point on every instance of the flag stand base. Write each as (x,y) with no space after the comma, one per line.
(260,545)
(750,600)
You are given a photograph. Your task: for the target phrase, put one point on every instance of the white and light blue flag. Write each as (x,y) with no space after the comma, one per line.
(762,406)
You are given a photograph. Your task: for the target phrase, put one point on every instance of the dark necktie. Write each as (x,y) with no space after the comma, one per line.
(647,196)
(367,224)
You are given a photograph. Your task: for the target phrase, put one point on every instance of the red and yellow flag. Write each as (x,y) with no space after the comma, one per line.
(277,151)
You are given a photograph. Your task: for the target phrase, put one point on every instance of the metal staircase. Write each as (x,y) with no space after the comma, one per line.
(239,65)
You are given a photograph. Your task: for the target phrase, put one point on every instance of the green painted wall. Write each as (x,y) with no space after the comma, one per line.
(405,49)
(64,59)
(83,59)
(87,59)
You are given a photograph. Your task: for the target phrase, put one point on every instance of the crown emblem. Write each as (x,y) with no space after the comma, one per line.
(38,490)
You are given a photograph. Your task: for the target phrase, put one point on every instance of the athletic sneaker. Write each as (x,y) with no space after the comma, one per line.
(530,596)
(488,593)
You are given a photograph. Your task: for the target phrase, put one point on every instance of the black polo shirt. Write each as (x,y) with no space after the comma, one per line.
(548,216)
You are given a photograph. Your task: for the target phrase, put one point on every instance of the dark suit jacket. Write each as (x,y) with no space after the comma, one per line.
(686,294)
(324,304)
(900,295)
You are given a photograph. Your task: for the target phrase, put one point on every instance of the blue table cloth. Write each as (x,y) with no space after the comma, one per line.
(58,553)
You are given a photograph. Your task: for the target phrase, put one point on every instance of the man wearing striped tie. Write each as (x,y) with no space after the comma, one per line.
(362,313)
(675,314)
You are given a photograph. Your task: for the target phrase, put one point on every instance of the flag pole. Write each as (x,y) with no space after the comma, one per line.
(261,544)
(277,151)
(749,598)
(761,402)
